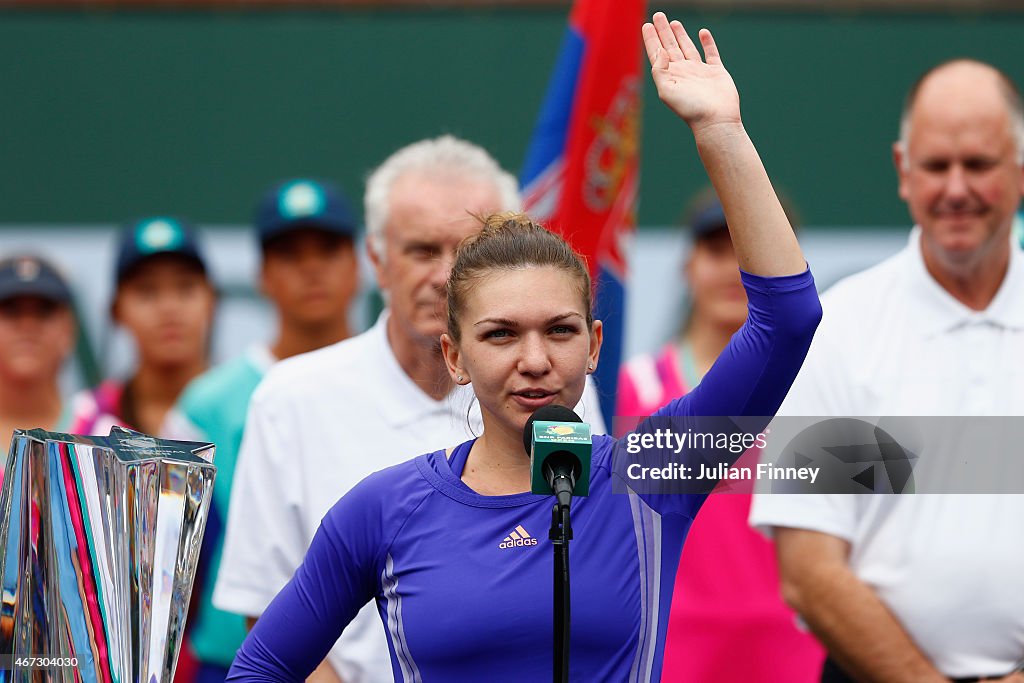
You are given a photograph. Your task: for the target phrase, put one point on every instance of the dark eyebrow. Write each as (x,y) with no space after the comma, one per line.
(560,318)
(505,322)
(421,243)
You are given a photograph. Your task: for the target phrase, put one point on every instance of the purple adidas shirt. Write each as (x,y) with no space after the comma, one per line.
(460,603)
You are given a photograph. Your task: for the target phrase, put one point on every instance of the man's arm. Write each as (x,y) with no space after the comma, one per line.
(324,674)
(857,629)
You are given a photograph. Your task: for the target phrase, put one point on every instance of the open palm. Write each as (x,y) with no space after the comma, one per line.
(701,93)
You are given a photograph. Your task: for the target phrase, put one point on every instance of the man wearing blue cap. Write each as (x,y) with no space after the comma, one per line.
(37,334)
(309,272)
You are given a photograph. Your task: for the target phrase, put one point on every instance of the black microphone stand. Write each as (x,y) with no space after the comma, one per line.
(560,470)
(560,535)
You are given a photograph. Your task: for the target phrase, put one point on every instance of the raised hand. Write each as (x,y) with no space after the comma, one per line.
(701,93)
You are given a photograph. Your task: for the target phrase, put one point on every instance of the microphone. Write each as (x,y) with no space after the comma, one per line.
(559,445)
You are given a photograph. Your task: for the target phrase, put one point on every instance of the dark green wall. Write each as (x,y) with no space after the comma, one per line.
(106,115)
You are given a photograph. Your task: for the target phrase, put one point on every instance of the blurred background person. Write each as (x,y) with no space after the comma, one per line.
(310,273)
(730,596)
(37,334)
(164,299)
(717,308)
(923,588)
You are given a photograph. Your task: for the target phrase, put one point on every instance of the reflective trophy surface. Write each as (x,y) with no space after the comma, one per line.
(100,539)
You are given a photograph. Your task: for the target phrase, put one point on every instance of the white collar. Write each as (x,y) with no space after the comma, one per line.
(938,311)
(404,400)
(260,357)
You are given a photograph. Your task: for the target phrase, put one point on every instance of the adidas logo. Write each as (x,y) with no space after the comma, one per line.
(518,538)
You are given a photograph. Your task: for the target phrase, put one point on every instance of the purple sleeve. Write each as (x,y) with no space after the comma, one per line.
(753,374)
(337,577)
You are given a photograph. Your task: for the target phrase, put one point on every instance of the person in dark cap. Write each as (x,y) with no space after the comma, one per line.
(37,334)
(165,300)
(717,308)
(309,272)
(701,643)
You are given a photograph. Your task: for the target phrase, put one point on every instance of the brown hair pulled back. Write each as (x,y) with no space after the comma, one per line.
(510,241)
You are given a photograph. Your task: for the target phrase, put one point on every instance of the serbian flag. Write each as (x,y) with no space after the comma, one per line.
(580,175)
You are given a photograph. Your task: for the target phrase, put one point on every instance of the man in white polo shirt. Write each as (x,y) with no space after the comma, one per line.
(321,421)
(922,588)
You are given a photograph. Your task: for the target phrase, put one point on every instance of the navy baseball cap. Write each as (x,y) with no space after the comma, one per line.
(32,276)
(302,203)
(707,219)
(153,236)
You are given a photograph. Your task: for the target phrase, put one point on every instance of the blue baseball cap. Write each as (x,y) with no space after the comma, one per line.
(707,219)
(154,236)
(32,276)
(302,203)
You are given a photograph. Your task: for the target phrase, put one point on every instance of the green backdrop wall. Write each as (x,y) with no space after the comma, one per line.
(108,114)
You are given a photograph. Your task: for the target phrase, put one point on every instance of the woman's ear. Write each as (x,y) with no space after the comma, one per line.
(453,360)
(596,337)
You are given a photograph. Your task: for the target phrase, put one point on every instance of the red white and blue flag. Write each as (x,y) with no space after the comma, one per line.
(581,170)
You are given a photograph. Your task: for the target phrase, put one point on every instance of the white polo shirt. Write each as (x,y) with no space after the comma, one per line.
(893,342)
(317,425)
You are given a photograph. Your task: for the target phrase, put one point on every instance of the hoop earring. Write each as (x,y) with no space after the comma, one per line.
(469,422)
